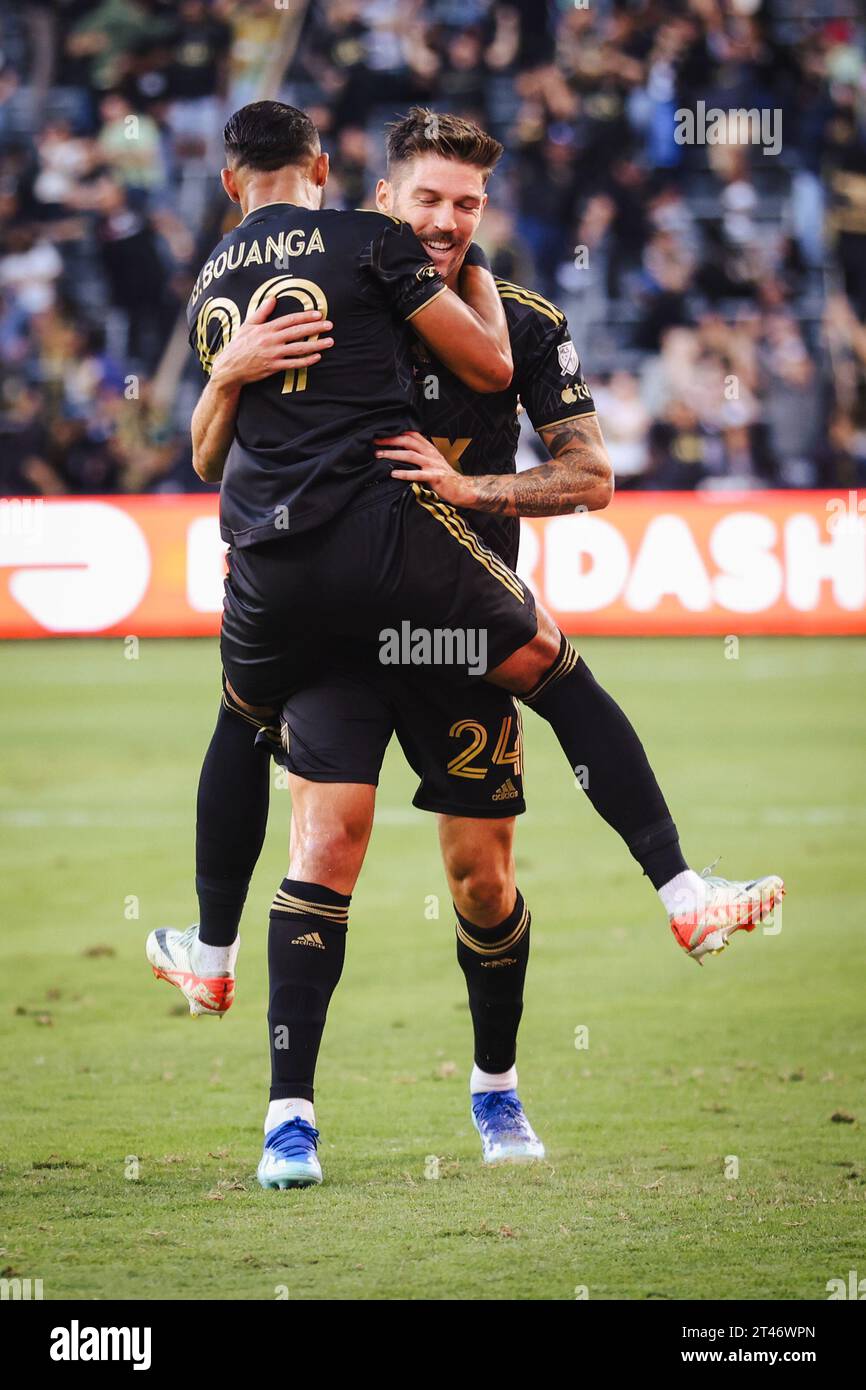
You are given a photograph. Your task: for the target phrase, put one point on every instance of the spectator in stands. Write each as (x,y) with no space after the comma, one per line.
(135,271)
(683,452)
(694,276)
(30,268)
(625,422)
(106,35)
(197,79)
(130,146)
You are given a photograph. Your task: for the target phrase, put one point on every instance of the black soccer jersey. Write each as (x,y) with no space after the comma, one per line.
(303,445)
(478,433)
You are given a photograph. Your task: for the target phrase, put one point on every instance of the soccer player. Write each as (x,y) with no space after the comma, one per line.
(438,185)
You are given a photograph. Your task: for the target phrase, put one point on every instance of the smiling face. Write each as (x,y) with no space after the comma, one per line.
(442,200)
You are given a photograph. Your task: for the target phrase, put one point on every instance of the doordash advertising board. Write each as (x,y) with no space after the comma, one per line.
(652,563)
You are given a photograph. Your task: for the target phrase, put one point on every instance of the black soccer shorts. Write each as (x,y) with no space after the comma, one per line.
(464,740)
(399,560)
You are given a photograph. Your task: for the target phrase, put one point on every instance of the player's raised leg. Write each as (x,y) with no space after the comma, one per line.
(609,762)
(309,917)
(493,952)
(231,818)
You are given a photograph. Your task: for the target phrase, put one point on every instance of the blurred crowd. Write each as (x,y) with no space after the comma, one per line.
(716,288)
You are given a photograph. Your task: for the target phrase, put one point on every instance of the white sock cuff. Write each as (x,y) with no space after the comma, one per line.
(215,960)
(294,1107)
(492,1080)
(685,892)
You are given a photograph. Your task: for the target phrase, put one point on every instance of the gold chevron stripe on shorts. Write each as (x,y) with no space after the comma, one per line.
(427,497)
(286,902)
(465,536)
(561,667)
(229,704)
(272,730)
(506,944)
(444,512)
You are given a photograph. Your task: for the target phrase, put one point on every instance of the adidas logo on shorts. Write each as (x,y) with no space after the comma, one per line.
(506,792)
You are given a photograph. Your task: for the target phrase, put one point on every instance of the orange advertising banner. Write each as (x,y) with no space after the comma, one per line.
(652,563)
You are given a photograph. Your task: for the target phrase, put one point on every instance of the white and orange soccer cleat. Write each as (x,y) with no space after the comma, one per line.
(729,905)
(172,955)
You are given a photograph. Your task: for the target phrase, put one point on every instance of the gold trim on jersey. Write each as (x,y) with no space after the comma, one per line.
(587,414)
(508,290)
(398,220)
(277,203)
(456,526)
(424,305)
(507,943)
(299,907)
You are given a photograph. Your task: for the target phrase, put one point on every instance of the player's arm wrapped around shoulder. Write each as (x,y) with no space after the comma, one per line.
(479,293)
(212,426)
(472,341)
(398,263)
(578,476)
(259,348)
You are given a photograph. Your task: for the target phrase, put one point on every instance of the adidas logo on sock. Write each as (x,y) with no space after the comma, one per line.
(506,792)
(311,938)
(496,964)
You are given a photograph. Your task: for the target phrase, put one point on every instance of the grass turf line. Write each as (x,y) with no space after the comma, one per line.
(751,1057)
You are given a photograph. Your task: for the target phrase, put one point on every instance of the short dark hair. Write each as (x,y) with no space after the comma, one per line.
(269,135)
(422,131)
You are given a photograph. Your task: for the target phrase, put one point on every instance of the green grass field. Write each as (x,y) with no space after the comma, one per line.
(750,1058)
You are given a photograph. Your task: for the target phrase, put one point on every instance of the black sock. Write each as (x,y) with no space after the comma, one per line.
(306,949)
(494,961)
(232,815)
(609,761)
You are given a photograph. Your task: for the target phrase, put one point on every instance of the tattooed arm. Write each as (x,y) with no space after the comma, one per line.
(577,476)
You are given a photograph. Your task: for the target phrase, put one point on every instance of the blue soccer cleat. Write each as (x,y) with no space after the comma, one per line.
(506,1134)
(290,1158)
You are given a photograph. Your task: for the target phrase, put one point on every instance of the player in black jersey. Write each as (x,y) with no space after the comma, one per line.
(299,443)
(331,819)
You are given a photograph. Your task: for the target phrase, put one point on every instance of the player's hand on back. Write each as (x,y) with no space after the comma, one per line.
(424,464)
(263,346)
